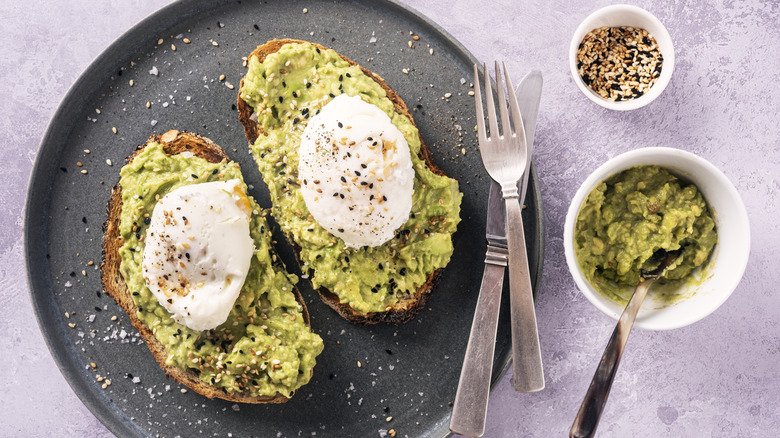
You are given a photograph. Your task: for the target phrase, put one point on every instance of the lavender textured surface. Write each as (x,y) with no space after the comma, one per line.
(718,377)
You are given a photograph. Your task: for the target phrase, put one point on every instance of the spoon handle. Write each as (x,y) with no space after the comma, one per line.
(587,418)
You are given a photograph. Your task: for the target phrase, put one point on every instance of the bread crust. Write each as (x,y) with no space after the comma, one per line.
(173,142)
(406,308)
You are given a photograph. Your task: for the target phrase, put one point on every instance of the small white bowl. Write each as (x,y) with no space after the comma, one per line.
(616,16)
(727,262)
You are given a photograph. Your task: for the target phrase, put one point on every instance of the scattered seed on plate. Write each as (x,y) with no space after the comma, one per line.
(132,82)
(113,129)
(173,47)
(221,77)
(215,44)
(447,95)
(109,162)
(389,419)
(186,41)
(84,171)
(229,85)
(86,151)
(619,63)
(160,41)
(305,10)
(406,71)
(148,104)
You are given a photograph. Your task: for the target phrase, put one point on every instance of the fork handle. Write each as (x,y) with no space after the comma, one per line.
(526,353)
(470,407)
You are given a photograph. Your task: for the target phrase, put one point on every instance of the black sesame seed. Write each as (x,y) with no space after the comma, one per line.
(331,95)
(341,230)
(402,271)
(215,171)
(64,169)
(349,75)
(341,125)
(335,194)
(341,78)
(194,176)
(99,295)
(284,84)
(343,179)
(342,196)
(381,267)
(308,85)
(357,173)
(84,219)
(281,99)
(256,27)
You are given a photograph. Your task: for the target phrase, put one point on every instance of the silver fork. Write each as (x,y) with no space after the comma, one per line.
(504,156)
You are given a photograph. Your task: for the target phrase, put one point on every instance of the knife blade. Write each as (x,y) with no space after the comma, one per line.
(470,406)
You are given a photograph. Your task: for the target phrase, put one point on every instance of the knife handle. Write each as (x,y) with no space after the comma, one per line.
(470,407)
(526,353)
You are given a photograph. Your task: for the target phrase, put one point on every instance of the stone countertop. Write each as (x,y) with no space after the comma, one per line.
(718,377)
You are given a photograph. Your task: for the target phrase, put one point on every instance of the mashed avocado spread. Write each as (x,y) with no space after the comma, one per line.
(264,347)
(631,215)
(285,90)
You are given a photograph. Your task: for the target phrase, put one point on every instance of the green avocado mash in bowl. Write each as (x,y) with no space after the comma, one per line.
(657,199)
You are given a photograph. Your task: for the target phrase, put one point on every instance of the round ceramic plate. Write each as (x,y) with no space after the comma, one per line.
(165,73)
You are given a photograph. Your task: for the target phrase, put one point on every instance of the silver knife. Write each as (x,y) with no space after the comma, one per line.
(470,406)
(528,375)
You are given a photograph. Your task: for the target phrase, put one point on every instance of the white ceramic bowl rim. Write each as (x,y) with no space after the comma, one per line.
(730,255)
(624,15)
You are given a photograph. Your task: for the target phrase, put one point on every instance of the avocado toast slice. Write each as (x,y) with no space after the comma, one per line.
(266,349)
(287,83)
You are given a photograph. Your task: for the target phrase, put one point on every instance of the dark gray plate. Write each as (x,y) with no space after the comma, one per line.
(408,372)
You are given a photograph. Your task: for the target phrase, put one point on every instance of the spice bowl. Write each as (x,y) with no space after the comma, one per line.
(624,16)
(715,280)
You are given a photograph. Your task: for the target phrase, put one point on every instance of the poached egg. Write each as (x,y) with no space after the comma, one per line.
(356,172)
(198,251)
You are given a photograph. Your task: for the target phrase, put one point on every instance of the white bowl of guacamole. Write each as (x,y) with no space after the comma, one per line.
(695,292)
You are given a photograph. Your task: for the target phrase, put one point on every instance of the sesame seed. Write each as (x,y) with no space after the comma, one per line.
(160,41)
(114,130)
(215,44)
(173,47)
(305,11)
(186,41)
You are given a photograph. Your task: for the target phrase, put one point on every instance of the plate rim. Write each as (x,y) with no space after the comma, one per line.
(38,197)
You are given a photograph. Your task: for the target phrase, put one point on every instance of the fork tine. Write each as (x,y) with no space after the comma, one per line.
(491,107)
(478,100)
(506,130)
(517,119)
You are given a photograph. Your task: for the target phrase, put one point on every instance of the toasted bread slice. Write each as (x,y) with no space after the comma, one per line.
(407,306)
(173,143)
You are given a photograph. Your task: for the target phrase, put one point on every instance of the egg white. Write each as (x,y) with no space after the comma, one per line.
(356,172)
(198,251)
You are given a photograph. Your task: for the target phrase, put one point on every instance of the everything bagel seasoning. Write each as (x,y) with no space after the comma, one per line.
(619,63)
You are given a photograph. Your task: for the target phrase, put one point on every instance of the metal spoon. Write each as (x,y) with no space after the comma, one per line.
(587,418)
